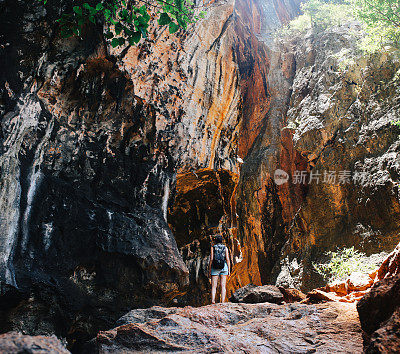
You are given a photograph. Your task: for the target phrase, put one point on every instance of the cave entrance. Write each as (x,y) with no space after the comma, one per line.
(204,204)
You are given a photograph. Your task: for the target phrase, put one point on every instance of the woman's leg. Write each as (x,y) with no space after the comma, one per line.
(223,287)
(214,282)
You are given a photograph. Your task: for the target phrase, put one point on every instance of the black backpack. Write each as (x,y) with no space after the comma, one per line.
(219,256)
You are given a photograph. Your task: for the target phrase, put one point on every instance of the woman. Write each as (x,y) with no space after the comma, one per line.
(219,266)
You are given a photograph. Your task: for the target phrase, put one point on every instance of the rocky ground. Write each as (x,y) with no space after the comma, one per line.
(14,342)
(230,327)
(260,319)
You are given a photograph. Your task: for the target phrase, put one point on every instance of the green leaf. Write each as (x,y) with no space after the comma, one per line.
(118,28)
(143,10)
(99,6)
(181,22)
(129,20)
(128,32)
(109,35)
(115,42)
(124,13)
(135,38)
(77,10)
(142,21)
(173,27)
(164,19)
(178,4)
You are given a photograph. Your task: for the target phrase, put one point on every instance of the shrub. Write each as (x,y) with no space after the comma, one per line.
(325,14)
(127,20)
(346,261)
(320,14)
(380,20)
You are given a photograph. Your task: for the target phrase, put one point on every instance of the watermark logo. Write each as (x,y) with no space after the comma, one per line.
(280,177)
(326,176)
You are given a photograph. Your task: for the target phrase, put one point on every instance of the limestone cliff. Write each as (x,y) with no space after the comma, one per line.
(84,184)
(335,115)
(92,141)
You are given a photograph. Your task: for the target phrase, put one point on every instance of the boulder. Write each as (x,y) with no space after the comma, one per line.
(356,282)
(320,295)
(291,294)
(359,281)
(145,315)
(14,342)
(340,288)
(230,327)
(252,294)
(387,338)
(391,265)
(379,315)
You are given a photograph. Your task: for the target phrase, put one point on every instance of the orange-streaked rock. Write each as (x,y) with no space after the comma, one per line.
(193,82)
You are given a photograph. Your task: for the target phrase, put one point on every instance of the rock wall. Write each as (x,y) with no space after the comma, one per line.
(331,110)
(379,309)
(249,35)
(344,108)
(192,82)
(92,139)
(84,179)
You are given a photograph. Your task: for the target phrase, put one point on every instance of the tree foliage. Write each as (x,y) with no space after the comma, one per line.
(327,13)
(379,11)
(380,18)
(382,21)
(127,20)
(320,14)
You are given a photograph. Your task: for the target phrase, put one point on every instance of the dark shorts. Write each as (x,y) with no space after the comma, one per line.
(223,271)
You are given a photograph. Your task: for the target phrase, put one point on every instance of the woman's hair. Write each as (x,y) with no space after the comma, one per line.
(218,238)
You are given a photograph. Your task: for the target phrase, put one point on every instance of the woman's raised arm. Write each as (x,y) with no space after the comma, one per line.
(228,260)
